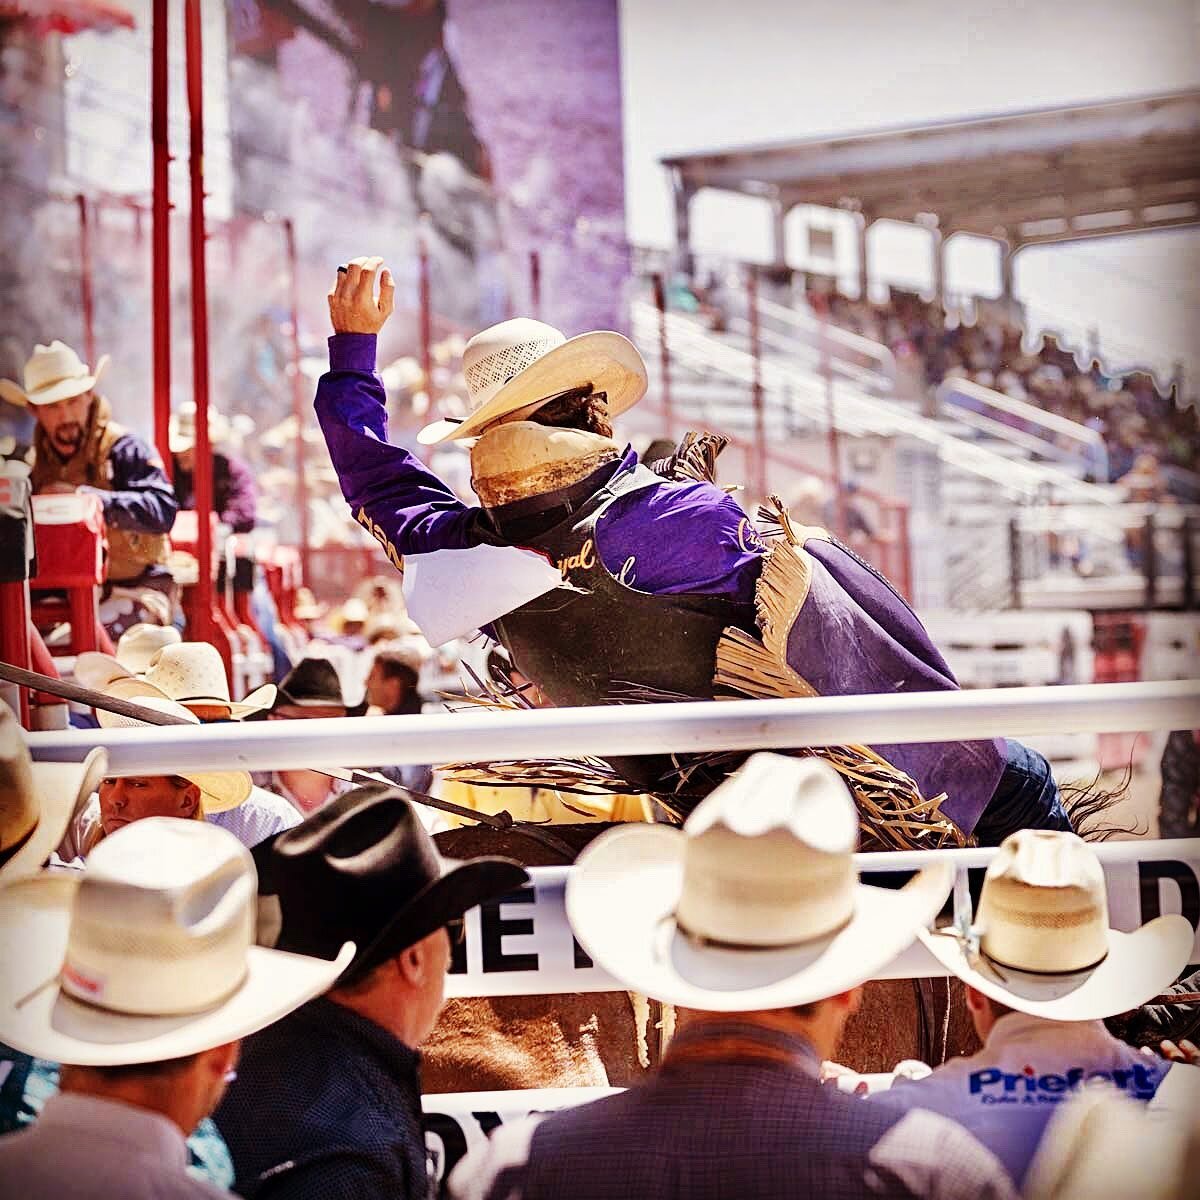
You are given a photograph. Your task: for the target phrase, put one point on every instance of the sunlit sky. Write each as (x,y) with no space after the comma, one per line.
(707,74)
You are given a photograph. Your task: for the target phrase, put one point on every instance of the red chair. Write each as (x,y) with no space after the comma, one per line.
(72,550)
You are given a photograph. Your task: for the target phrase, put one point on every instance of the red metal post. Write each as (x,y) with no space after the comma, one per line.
(161,234)
(87,296)
(202,467)
(905,581)
(664,357)
(298,406)
(756,388)
(535,283)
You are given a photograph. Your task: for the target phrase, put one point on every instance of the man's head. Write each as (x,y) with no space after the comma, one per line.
(405,994)
(310,689)
(821,1023)
(985,1011)
(393,677)
(133,798)
(185,459)
(363,869)
(65,422)
(184,1090)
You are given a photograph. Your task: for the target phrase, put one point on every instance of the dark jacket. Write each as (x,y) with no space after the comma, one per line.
(235,498)
(756,1125)
(326,1106)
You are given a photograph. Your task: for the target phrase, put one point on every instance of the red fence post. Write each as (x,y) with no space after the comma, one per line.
(425,313)
(298,409)
(202,467)
(161,234)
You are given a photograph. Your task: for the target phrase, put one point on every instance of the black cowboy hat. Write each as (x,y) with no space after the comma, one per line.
(314,683)
(364,869)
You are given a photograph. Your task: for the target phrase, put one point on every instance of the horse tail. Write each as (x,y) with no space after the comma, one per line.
(1089,806)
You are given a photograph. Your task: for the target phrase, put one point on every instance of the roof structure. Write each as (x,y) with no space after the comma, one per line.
(1043,175)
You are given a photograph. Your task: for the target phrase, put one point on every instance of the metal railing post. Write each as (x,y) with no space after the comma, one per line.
(161,234)
(86,289)
(298,397)
(664,357)
(756,387)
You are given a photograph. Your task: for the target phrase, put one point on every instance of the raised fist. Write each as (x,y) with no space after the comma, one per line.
(352,304)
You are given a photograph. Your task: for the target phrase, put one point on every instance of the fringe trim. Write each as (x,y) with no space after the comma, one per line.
(745,666)
(780,594)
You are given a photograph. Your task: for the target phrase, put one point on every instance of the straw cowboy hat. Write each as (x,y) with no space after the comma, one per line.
(37,800)
(219,790)
(754,903)
(54,372)
(517,366)
(181,431)
(191,674)
(148,954)
(306,606)
(1040,942)
(135,652)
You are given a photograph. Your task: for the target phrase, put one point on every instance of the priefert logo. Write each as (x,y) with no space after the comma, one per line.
(994,1086)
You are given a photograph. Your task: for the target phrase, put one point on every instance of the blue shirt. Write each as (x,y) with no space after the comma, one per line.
(141,499)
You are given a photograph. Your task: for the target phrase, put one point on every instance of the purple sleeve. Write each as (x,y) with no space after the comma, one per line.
(390,492)
(240,510)
(142,499)
(682,537)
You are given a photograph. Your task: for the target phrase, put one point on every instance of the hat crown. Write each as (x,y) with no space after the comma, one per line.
(140,643)
(163,919)
(496,355)
(1044,905)
(19,808)
(769,856)
(190,671)
(51,364)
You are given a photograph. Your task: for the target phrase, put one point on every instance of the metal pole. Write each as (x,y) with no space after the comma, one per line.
(756,388)
(202,466)
(86,295)
(881,720)
(161,235)
(664,355)
(535,283)
(902,534)
(298,397)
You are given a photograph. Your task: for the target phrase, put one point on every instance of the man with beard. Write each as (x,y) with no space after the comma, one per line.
(79,448)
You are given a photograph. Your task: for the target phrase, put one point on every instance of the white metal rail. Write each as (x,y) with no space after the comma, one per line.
(637,729)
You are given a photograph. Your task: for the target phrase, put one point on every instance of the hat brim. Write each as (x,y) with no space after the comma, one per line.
(64,389)
(620,901)
(220,791)
(37,1018)
(610,362)
(62,789)
(1138,966)
(96,670)
(125,686)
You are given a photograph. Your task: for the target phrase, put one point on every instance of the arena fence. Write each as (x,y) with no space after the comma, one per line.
(626,729)
(521,944)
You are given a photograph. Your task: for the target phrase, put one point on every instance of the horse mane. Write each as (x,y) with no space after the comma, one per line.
(1088,806)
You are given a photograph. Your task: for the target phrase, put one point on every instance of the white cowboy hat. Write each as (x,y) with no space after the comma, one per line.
(54,372)
(754,904)
(516,366)
(135,651)
(147,954)
(37,800)
(181,430)
(1040,942)
(219,790)
(190,673)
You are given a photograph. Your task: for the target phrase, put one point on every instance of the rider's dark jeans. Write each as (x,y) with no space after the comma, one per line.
(1025,798)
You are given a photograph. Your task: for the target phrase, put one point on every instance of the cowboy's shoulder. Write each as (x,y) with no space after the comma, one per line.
(694,502)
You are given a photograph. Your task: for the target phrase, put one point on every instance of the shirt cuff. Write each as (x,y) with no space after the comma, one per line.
(352,352)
